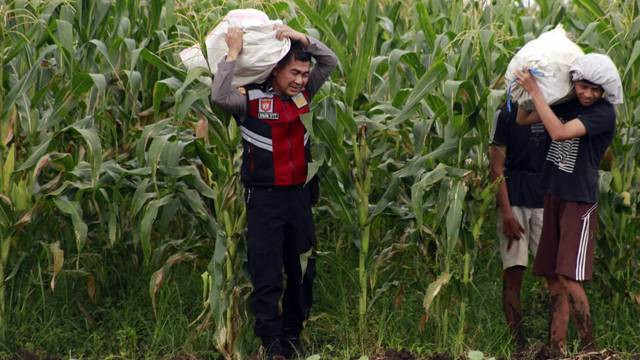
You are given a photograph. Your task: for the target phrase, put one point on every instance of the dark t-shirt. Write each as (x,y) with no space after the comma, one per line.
(571,169)
(526,148)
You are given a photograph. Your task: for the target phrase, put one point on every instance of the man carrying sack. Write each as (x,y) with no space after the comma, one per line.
(276,151)
(581,130)
(516,158)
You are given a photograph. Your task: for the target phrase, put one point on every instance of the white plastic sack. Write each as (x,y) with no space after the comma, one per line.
(599,69)
(261,51)
(549,57)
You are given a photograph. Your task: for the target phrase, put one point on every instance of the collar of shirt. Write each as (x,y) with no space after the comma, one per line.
(268,88)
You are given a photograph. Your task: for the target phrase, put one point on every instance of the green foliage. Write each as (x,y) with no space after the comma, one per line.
(102,167)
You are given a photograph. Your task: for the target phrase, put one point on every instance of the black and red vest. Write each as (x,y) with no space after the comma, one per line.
(275,142)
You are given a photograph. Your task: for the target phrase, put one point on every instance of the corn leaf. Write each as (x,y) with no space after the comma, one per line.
(73,209)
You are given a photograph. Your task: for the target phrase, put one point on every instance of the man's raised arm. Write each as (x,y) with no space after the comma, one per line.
(223,94)
(326,61)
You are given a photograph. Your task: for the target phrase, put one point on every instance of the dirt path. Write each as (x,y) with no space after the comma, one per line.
(536,352)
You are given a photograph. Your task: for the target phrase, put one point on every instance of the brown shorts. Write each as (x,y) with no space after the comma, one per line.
(568,238)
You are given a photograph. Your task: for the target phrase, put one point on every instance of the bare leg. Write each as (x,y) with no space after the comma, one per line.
(580,311)
(511,285)
(559,321)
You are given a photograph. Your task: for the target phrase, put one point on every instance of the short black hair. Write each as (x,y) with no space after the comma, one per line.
(590,83)
(296,52)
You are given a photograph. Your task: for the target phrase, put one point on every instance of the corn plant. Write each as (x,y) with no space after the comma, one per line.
(16,210)
(81,152)
(112,147)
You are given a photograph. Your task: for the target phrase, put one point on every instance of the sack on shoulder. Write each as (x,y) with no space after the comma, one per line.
(261,51)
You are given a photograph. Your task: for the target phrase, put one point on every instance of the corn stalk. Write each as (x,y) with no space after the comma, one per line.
(97,123)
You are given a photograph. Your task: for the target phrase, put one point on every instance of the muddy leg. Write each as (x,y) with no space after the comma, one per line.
(559,321)
(580,311)
(511,285)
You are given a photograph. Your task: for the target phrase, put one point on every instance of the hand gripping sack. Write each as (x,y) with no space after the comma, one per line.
(261,51)
(549,58)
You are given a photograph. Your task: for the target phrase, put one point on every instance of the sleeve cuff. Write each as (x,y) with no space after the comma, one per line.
(226,64)
(585,124)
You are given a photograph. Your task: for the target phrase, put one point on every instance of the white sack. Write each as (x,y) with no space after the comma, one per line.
(549,56)
(599,69)
(261,51)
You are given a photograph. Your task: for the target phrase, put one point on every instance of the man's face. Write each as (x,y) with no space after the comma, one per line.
(292,78)
(588,94)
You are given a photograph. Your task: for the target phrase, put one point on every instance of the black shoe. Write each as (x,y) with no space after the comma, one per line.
(292,347)
(273,349)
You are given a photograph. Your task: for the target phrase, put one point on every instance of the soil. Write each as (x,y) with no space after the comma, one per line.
(536,352)
(23,354)
(542,352)
(391,354)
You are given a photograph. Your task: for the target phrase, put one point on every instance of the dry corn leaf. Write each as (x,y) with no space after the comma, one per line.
(91,288)
(42,163)
(7,130)
(58,261)
(155,283)
(25,219)
(433,290)
(202,129)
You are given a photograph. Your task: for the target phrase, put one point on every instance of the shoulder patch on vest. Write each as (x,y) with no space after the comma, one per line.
(299,100)
(257,94)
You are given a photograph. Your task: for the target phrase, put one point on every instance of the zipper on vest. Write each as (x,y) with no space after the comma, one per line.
(293,169)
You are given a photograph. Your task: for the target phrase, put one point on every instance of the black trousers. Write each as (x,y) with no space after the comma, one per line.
(280,234)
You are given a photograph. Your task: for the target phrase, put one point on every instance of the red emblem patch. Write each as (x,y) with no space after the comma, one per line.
(266,105)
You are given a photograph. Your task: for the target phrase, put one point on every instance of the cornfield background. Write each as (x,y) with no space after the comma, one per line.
(121,212)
